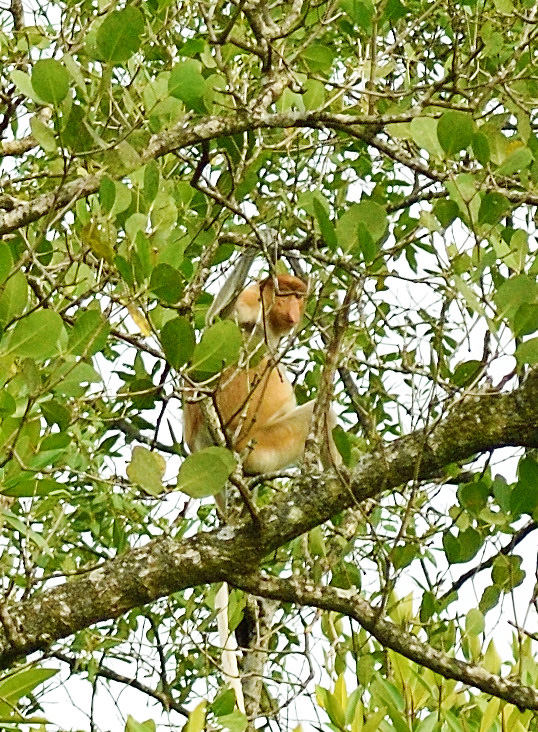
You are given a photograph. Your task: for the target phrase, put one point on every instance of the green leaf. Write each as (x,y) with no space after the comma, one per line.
(71,380)
(319,57)
(22,528)
(524,498)
(429,723)
(187,83)
(23,83)
(36,335)
(177,340)
(515,292)
(314,95)
(527,352)
(122,199)
(469,295)
(360,11)
(151,180)
(8,405)
(403,555)
(492,208)
(30,488)
(525,320)
(463,547)
(43,134)
(15,685)
(224,703)
(490,598)
(446,211)
(89,334)
(6,261)
(119,35)
(13,297)
(234,722)
(50,80)
(392,698)
(480,145)
(466,373)
(166,283)
(56,413)
(517,161)
(197,718)
(474,622)
(325,226)
(76,131)
(133,726)
(51,451)
(424,133)
(455,131)
(205,472)
(143,393)
(507,573)
(361,220)
(146,469)
(219,347)
(107,193)
(473,496)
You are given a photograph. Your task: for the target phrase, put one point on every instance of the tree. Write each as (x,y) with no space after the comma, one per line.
(388,150)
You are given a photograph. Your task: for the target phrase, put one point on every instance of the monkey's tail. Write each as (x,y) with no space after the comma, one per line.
(229,646)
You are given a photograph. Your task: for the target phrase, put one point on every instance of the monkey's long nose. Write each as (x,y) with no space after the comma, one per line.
(294,314)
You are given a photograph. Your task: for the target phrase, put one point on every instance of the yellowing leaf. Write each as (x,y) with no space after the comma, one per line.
(197,717)
(146,469)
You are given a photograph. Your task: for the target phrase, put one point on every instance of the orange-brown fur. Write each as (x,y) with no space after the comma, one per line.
(257,406)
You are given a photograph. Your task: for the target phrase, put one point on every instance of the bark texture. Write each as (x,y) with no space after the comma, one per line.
(480,423)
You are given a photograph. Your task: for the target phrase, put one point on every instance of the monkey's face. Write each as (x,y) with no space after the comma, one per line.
(284,310)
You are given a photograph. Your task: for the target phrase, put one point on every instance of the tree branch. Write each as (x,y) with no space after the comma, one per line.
(185,135)
(389,635)
(479,423)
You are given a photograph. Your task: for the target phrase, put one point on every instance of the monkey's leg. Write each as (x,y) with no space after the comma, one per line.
(280,442)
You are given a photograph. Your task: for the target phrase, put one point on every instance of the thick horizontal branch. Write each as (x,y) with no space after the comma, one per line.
(389,635)
(480,423)
(189,133)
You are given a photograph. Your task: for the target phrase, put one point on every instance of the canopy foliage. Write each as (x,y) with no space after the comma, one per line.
(387,149)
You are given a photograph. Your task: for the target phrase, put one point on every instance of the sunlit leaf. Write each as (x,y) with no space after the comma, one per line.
(146,469)
(13,686)
(50,79)
(474,622)
(424,133)
(455,131)
(133,726)
(518,160)
(197,718)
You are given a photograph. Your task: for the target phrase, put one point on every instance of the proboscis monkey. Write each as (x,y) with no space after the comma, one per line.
(257,408)
(256,405)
